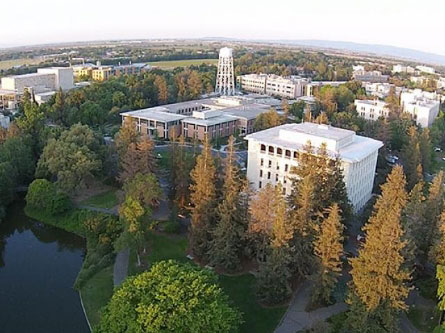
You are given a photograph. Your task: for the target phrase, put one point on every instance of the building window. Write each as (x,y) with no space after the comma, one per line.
(286,167)
(263,148)
(261,173)
(270,164)
(287,154)
(279,151)
(276,177)
(295,155)
(284,180)
(271,150)
(268,175)
(262,162)
(259,185)
(278,166)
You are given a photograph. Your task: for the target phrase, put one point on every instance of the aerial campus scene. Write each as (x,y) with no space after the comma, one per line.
(222,167)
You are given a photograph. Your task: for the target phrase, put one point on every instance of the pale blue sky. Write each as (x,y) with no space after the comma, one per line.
(406,23)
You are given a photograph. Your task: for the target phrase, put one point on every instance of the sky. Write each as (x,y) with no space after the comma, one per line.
(404,23)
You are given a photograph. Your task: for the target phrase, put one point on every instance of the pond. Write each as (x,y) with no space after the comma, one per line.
(38,267)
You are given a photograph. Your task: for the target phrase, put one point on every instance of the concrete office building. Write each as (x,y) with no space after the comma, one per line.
(423,106)
(63,76)
(274,152)
(402,69)
(371,76)
(371,109)
(273,85)
(426,69)
(215,117)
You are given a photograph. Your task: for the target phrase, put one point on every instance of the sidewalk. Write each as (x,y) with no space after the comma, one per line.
(296,318)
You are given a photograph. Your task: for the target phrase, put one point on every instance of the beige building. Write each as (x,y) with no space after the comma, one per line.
(273,85)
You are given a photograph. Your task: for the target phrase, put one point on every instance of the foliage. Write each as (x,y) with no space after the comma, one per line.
(72,159)
(190,296)
(203,199)
(267,120)
(137,158)
(228,235)
(381,259)
(328,249)
(44,195)
(440,276)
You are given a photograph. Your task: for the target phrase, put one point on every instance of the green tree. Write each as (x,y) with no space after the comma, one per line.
(191,297)
(161,86)
(229,232)
(73,159)
(411,157)
(378,274)
(138,158)
(43,195)
(267,120)
(203,201)
(437,252)
(328,249)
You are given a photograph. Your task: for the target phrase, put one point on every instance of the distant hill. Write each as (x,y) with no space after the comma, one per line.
(384,50)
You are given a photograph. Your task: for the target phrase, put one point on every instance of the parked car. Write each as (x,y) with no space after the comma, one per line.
(437,149)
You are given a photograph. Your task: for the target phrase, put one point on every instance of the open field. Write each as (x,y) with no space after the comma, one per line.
(6,64)
(171,64)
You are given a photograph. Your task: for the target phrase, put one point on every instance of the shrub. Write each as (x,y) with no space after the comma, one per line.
(43,195)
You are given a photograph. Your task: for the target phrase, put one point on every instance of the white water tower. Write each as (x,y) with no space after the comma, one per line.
(225,78)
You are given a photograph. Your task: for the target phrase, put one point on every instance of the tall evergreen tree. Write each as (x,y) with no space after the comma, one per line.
(425,149)
(328,248)
(138,158)
(437,252)
(272,282)
(378,274)
(183,165)
(203,200)
(229,232)
(434,207)
(411,157)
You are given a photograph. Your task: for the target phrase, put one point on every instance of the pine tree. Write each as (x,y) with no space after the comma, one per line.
(437,252)
(229,232)
(328,248)
(434,207)
(411,157)
(127,134)
(203,200)
(262,210)
(138,158)
(161,86)
(413,223)
(272,282)
(183,167)
(378,274)
(425,149)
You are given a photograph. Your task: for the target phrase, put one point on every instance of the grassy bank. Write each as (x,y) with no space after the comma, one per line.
(96,293)
(106,199)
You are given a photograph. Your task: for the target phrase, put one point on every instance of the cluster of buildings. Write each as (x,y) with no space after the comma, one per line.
(42,84)
(101,73)
(273,85)
(421,105)
(214,117)
(380,90)
(369,76)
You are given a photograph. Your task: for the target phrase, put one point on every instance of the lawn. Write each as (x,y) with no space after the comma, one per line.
(256,318)
(6,64)
(96,293)
(425,319)
(106,199)
(182,63)
(239,288)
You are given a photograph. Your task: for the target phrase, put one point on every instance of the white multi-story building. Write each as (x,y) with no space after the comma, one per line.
(46,79)
(380,90)
(273,85)
(371,76)
(422,105)
(403,69)
(274,152)
(426,69)
(371,109)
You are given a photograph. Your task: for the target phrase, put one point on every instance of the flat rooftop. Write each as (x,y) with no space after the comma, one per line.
(157,115)
(356,147)
(209,121)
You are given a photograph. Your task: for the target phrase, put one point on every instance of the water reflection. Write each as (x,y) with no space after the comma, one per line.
(38,266)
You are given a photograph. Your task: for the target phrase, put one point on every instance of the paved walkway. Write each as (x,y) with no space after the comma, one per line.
(112,211)
(297,318)
(120,269)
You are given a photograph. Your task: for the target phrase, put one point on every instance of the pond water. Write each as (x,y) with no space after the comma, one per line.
(38,267)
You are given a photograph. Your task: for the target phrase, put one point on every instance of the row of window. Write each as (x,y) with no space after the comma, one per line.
(279,151)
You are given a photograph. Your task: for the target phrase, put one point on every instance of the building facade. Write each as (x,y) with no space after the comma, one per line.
(273,85)
(273,153)
(371,76)
(371,109)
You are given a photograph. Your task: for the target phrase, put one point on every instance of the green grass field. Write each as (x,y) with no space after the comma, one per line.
(182,63)
(96,293)
(106,199)
(6,64)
